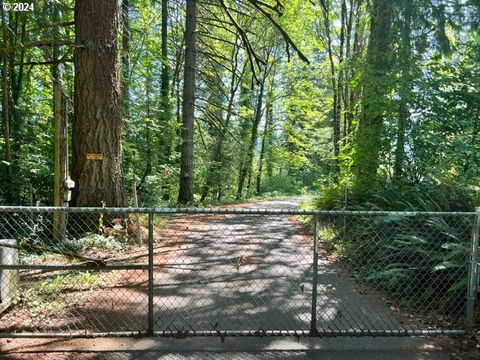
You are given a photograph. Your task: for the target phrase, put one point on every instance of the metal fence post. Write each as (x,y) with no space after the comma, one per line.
(313,321)
(473,272)
(150,275)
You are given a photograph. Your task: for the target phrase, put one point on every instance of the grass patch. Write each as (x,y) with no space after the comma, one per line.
(54,295)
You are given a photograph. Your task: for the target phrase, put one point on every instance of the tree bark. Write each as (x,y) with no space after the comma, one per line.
(185,194)
(349,73)
(357,49)
(266,134)
(6,117)
(335,86)
(246,170)
(246,97)
(16,79)
(97,106)
(340,81)
(125,57)
(370,127)
(165,67)
(165,115)
(404,92)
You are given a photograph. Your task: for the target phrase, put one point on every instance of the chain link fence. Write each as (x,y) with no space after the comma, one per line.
(235,272)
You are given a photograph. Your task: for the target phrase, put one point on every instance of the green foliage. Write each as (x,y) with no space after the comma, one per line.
(331,197)
(421,197)
(425,73)
(75,279)
(56,294)
(447,129)
(414,197)
(419,260)
(98,242)
(281,184)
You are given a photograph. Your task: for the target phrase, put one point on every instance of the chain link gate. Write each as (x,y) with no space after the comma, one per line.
(242,273)
(235,272)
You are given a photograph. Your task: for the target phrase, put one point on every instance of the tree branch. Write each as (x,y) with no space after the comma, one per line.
(51,62)
(285,35)
(40,43)
(250,51)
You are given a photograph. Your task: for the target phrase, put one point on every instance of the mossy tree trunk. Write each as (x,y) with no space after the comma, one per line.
(368,139)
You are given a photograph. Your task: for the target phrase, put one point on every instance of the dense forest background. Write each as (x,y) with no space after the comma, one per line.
(371,103)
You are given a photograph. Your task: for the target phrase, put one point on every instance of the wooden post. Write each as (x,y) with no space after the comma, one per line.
(473,273)
(61,147)
(134,194)
(138,233)
(61,154)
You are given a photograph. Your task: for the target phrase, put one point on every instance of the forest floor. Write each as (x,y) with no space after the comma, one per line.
(239,273)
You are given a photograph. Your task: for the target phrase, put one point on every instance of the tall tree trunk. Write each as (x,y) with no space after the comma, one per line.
(8,190)
(165,67)
(405,89)
(370,127)
(177,91)
(341,74)
(346,73)
(357,49)
(16,80)
(148,135)
(246,169)
(249,179)
(335,86)
(267,130)
(166,139)
(97,106)
(125,57)
(348,97)
(231,102)
(185,194)
(246,97)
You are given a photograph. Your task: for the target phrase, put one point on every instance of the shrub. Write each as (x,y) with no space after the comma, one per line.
(281,184)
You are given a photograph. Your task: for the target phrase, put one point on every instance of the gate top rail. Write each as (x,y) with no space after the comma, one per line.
(245,211)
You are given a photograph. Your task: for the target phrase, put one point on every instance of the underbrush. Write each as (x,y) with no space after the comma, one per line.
(418,197)
(282,184)
(103,235)
(54,294)
(71,250)
(418,260)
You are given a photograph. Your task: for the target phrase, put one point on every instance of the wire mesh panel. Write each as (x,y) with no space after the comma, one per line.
(222,272)
(388,273)
(73,273)
(232,272)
